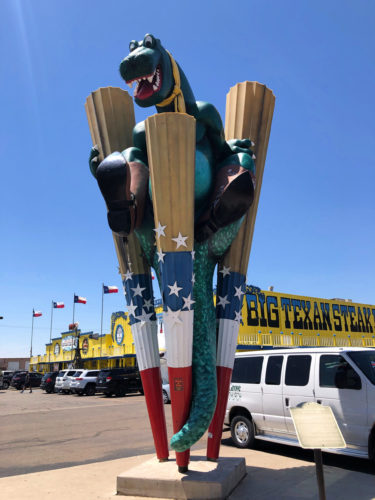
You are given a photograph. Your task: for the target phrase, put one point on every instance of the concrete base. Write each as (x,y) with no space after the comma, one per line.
(203,481)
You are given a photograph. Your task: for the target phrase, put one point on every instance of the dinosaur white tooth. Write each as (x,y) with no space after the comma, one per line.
(253,157)
(155,87)
(150,78)
(130,84)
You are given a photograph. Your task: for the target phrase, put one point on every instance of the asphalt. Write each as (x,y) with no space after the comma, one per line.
(268,477)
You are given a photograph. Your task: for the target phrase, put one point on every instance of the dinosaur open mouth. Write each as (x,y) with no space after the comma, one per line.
(147,85)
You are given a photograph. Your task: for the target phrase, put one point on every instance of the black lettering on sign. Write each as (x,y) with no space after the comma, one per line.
(307,323)
(178,384)
(285,305)
(367,313)
(317,318)
(273,314)
(361,323)
(252,310)
(261,298)
(326,324)
(353,324)
(344,312)
(336,317)
(297,322)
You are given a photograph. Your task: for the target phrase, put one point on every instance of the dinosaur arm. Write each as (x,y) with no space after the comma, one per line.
(139,151)
(209,116)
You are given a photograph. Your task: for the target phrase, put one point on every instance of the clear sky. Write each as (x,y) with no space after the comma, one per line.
(314,233)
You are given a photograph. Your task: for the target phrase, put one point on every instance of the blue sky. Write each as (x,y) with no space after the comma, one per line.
(314,231)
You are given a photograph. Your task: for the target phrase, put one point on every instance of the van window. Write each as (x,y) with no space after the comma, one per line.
(247,370)
(365,360)
(335,371)
(298,370)
(273,373)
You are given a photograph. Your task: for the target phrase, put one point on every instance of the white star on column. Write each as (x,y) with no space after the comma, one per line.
(144,317)
(128,275)
(174,289)
(223,301)
(160,230)
(160,255)
(180,240)
(193,279)
(225,271)
(238,316)
(173,316)
(188,302)
(239,292)
(148,304)
(193,254)
(132,308)
(138,290)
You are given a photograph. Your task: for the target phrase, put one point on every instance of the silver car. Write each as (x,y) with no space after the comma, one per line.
(84,382)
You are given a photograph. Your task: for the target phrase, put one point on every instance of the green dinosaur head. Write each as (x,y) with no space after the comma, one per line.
(148,65)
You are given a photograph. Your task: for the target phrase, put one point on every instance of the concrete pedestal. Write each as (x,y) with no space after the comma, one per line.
(204,480)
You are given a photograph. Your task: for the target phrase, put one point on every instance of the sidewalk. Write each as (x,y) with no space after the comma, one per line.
(268,477)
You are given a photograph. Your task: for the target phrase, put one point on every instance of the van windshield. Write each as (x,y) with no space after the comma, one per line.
(365,360)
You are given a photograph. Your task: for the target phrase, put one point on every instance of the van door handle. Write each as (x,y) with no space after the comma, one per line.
(287,402)
(319,401)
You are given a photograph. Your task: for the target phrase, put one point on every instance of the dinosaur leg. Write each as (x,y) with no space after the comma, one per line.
(229,294)
(124,187)
(232,195)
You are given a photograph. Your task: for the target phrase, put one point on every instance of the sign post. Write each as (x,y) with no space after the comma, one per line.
(317,429)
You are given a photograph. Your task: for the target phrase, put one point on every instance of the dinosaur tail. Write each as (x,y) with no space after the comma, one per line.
(204,391)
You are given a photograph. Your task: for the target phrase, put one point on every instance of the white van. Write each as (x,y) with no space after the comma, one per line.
(266,384)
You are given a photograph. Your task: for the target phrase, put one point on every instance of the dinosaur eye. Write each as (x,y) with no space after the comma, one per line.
(133,45)
(149,41)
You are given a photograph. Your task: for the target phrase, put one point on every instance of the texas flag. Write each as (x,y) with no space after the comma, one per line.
(36,314)
(79,300)
(58,305)
(110,289)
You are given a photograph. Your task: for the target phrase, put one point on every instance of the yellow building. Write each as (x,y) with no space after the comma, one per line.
(269,319)
(96,351)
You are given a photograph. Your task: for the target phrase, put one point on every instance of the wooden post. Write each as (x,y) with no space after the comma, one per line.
(249,112)
(170,141)
(110,113)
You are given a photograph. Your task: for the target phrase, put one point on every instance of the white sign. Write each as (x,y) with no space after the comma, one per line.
(316,426)
(68,343)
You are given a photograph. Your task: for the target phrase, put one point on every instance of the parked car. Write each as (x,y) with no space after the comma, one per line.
(84,382)
(166,393)
(67,379)
(265,385)
(63,379)
(48,382)
(18,379)
(119,381)
(7,378)
(59,380)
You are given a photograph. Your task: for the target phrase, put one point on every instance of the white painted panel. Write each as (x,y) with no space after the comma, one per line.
(179,338)
(227,342)
(146,344)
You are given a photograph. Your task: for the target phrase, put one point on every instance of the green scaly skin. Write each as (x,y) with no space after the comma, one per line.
(212,153)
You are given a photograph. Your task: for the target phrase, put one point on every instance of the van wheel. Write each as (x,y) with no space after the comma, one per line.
(242,432)
(5,385)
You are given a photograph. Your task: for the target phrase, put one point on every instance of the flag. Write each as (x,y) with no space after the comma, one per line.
(36,314)
(110,289)
(58,305)
(79,300)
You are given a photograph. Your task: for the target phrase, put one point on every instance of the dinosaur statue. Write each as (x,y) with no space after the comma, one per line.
(224,190)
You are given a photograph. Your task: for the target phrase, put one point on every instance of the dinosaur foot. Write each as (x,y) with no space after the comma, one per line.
(233,195)
(123,186)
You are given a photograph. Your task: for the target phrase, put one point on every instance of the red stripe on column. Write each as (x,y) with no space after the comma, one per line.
(215,430)
(180,389)
(151,381)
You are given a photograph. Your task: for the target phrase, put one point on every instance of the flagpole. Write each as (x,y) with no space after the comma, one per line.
(74,305)
(101,325)
(32,330)
(50,335)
